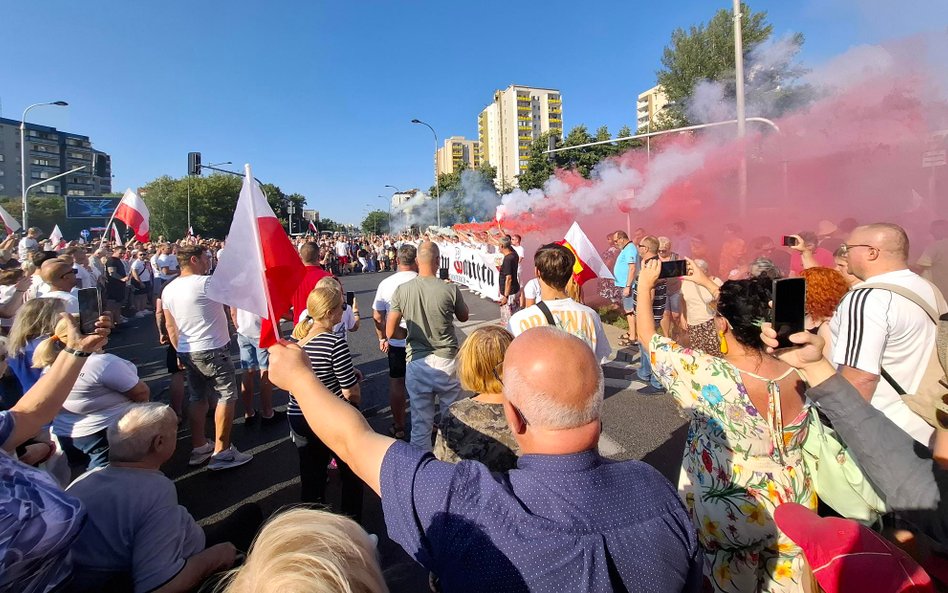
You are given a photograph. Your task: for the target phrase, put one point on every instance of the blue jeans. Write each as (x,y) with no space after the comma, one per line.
(94,446)
(429,379)
(644,371)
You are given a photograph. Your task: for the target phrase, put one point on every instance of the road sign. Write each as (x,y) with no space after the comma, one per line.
(935,158)
(90,206)
(312,215)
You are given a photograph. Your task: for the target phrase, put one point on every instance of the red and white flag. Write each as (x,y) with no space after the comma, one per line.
(115,234)
(133,212)
(9,222)
(259,269)
(312,227)
(56,237)
(190,231)
(588,263)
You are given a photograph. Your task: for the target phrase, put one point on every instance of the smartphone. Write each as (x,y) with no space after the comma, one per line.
(350,297)
(443,273)
(90,309)
(789,298)
(789,241)
(674,268)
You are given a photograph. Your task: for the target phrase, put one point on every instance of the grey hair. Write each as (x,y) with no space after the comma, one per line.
(701,264)
(130,437)
(766,268)
(543,409)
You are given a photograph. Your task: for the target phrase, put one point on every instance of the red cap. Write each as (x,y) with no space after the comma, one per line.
(847,557)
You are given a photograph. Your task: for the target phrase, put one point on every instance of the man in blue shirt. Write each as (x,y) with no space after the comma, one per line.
(624,272)
(566,519)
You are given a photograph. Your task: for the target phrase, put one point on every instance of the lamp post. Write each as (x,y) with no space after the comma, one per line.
(741,116)
(437,189)
(23,154)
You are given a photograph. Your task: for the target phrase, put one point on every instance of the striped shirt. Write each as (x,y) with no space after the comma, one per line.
(331,362)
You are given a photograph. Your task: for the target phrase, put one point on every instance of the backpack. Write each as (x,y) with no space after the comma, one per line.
(933,389)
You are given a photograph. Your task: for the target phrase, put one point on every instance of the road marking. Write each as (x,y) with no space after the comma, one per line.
(254,451)
(256,497)
(608,447)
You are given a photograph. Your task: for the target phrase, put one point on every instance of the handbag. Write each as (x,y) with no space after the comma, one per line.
(837,478)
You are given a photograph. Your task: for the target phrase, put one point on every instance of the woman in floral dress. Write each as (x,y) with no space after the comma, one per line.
(743,454)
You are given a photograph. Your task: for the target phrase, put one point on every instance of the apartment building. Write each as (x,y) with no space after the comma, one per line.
(457,153)
(50,152)
(508,126)
(647,107)
(401,197)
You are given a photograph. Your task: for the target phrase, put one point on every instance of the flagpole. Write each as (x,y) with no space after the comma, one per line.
(274,320)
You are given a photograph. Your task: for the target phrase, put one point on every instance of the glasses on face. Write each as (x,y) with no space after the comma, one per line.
(846,248)
(498,372)
(643,246)
(69,273)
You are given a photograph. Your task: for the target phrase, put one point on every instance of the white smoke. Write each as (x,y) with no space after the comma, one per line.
(475,198)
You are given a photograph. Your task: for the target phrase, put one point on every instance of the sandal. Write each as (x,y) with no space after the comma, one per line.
(397,434)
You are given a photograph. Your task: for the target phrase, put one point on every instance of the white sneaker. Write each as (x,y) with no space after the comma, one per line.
(201,454)
(228,458)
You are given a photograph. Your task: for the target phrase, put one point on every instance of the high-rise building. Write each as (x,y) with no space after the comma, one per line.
(50,152)
(507,128)
(456,154)
(401,197)
(647,107)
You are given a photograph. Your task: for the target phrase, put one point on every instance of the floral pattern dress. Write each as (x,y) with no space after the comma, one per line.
(738,465)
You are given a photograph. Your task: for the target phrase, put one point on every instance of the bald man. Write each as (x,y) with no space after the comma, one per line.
(875,329)
(566,519)
(61,278)
(429,306)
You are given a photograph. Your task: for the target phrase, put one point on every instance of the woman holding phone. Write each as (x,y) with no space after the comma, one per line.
(743,455)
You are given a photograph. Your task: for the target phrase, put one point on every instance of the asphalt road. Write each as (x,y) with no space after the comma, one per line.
(634,427)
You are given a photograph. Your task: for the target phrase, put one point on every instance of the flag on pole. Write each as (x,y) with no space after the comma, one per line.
(133,212)
(115,234)
(312,227)
(9,222)
(190,231)
(588,263)
(56,237)
(259,270)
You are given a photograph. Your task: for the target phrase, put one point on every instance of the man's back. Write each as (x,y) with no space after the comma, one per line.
(572,317)
(201,322)
(311,276)
(427,305)
(875,329)
(383,297)
(135,525)
(574,522)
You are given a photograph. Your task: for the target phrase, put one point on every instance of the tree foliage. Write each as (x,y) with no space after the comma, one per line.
(541,167)
(706,53)
(375,222)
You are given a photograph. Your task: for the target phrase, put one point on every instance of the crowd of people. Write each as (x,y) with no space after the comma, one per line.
(489,475)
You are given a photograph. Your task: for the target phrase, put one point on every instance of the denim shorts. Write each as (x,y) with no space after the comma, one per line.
(210,371)
(252,356)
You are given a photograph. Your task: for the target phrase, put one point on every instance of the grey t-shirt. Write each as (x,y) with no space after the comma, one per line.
(427,305)
(134,525)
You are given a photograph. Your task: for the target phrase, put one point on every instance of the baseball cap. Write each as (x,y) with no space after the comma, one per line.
(847,557)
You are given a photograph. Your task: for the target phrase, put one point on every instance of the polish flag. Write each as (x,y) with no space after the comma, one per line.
(9,222)
(133,212)
(56,237)
(588,263)
(190,231)
(259,269)
(312,227)
(115,234)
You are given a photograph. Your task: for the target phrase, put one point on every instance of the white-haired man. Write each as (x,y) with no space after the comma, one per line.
(136,533)
(565,520)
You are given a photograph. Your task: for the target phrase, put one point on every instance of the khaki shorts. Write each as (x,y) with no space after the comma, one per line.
(210,371)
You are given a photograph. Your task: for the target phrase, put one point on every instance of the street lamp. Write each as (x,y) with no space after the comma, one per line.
(741,115)
(23,153)
(437,189)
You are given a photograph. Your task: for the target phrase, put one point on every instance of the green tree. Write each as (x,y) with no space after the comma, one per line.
(540,167)
(706,52)
(375,222)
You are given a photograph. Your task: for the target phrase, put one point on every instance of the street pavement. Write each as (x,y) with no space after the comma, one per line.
(649,428)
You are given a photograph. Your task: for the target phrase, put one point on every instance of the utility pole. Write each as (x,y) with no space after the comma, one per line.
(741,116)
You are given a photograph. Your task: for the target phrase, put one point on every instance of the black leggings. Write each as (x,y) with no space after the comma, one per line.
(314,459)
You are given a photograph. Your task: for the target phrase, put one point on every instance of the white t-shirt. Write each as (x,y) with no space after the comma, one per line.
(98,397)
(201,322)
(342,249)
(697,302)
(69,298)
(571,317)
(85,277)
(346,324)
(169,261)
(144,273)
(890,332)
(248,324)
(531,290)
(25,246)
(38,287)
(383,299)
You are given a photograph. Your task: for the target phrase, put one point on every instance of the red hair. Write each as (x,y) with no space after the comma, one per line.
(825,288)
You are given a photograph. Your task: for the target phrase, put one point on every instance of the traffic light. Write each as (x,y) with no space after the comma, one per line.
(551,141)
(194,163)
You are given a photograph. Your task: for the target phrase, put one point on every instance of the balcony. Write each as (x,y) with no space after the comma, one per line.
(43,139)
(554,100)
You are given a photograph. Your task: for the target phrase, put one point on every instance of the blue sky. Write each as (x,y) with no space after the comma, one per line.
(318,96)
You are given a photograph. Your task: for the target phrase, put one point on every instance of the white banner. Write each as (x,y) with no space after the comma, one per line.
(475,269)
